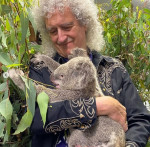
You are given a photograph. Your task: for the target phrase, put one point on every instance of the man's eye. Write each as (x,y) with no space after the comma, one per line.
(53,31)
(68,28)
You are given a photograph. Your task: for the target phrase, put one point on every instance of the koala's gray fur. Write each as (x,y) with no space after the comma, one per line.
(78,79)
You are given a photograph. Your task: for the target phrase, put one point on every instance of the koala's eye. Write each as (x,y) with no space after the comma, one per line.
(61,76)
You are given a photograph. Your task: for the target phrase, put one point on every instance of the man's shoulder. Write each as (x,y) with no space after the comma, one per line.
(107,62)
(110,63)
(111,60)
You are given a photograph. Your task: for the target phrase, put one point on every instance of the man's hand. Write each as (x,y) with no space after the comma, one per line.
(111,107)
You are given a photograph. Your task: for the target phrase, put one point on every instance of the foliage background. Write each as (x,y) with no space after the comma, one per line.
(127,36)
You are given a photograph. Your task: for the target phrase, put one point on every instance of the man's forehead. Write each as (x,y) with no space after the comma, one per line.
(62,11)
(61,19)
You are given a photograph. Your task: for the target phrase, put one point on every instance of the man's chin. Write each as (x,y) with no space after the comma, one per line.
(65,51)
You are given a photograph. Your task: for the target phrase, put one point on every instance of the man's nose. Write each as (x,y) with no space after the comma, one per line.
(62,37)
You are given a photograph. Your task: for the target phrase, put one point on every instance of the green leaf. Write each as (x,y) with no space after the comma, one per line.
(147,10)
(13,65)
(8,27)
(25,81)
(24,26)
(148,80)
(12,1)
(6,138)
(6,109)
(5,94)
(8,126)
(24,123)
(109,37)
(5,9)
(22,3)
(1,95)
(31,19)
(3,86)
(43,100)
(4,40)
(5,59)
(32,97)
(2,125)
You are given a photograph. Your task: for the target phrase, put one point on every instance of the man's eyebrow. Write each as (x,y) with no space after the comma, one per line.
(61,25)
(67,24)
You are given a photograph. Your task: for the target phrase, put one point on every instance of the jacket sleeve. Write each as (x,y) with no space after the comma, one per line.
(138,116)
(62,115)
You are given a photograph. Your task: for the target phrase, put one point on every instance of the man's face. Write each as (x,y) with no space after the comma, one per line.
(65,32)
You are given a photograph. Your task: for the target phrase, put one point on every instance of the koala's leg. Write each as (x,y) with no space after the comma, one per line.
(46,62)
(104,133)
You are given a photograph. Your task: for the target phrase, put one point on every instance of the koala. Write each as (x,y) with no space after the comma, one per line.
(78,79)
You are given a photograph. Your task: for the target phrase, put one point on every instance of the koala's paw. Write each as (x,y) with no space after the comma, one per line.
(38,60)
(77,52)
(39,88)
(15,75)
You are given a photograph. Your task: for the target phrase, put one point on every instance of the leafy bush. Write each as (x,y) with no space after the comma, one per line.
(127,37)
(15,51)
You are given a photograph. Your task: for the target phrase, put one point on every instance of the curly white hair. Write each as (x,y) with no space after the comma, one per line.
(85,12)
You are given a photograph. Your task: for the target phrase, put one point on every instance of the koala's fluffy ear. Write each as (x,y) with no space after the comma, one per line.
(77,52)
(84,71)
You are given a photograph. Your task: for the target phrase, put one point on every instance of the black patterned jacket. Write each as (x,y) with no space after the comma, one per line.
(114,81)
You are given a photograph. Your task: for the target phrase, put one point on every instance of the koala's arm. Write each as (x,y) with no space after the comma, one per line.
(44,61)
(60,113)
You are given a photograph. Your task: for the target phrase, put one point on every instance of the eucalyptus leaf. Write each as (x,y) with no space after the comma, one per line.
(4,40)
(31,97)
(6,137)
(25,81)
(2,125)
(42,101)
(5,9)
(8,27)
(1,95)
(8,126)
(31,19)
(24,26)
(12,1)
(5,59)
(147,10)
(148,80)
(5,94)
(13,65)
(3,86)
(6,109)
(24,123)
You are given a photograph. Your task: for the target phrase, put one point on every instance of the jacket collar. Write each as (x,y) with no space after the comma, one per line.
(96,58)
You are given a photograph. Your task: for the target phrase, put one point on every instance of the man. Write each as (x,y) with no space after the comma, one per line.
(64,25)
